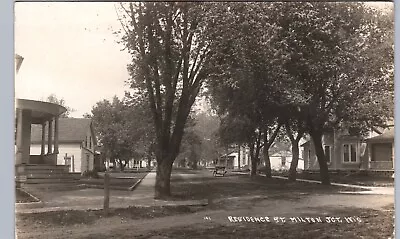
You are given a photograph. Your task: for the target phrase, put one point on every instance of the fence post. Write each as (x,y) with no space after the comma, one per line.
(106,205)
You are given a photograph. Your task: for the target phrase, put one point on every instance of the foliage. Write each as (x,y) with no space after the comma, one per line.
(169,48)
(339,55)
(123,129)
(60,101)
(91,174)
(206,127)
(312,66)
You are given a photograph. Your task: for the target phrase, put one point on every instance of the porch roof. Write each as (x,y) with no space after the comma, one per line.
(386,137)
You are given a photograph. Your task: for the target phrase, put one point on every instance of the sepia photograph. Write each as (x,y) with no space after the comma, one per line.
(157,120)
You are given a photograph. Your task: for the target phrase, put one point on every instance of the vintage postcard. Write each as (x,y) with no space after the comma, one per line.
(204,120)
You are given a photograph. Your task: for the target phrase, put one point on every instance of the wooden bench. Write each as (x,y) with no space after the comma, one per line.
(219,170)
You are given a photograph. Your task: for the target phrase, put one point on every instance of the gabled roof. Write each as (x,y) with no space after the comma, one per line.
(386,137)
(70,130)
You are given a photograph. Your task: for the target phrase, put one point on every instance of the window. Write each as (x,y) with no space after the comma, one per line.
(283,161)
(327,151)
(349,153)
(309,154)
(86,141)
(90,142)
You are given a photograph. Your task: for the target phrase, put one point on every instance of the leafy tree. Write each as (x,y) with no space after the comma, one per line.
(206,127)
(245,81)
(60,101)
(169,48)
(340,56)
(328,61)
(191,149)
(270,134)
(122,130)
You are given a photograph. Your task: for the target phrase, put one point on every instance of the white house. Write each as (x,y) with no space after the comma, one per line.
(282,161)
(76,143)
(232,161)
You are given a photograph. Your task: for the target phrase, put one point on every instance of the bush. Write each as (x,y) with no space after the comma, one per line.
(91,174)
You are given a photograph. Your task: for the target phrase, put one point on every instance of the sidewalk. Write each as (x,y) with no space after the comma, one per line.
(367,189)
(92,199)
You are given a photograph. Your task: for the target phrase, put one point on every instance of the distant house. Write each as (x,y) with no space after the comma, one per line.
(346,152)
(232,160)
(77,143)
(282,161)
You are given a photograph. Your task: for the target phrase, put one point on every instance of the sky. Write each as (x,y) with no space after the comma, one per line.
(70,50)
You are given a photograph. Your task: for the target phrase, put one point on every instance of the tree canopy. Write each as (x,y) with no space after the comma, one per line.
(124,131)
(60,101)
(168,45)
(314,66)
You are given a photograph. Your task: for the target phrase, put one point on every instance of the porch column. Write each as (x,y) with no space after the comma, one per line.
(19,150)
(23,141)
(42,149)
(49,138)
(56,135)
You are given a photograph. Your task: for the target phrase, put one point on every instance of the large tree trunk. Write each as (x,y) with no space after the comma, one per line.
(163,179)
(255,154)
(323,166)
(239,157)
(253,169)
(295,151)
(295,160)
(268,172)
(122,165)
(149,163)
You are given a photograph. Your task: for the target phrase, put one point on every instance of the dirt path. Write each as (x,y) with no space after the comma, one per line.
(238,206)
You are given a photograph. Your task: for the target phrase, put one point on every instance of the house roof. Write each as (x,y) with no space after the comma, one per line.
(387,136)
(70,130)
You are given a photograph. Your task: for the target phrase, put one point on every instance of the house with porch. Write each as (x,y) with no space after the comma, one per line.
(381,151)
(76,144)
(346,152)
(39,171)
(282,160)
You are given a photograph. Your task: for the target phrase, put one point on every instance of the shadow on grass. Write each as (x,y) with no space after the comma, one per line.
(240,185)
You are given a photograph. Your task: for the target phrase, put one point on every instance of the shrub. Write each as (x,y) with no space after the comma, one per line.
(91,174)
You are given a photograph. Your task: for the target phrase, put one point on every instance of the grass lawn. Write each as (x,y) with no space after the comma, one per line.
(76,217)
(374,224)
(123,180)
(22,197)
(238,185)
